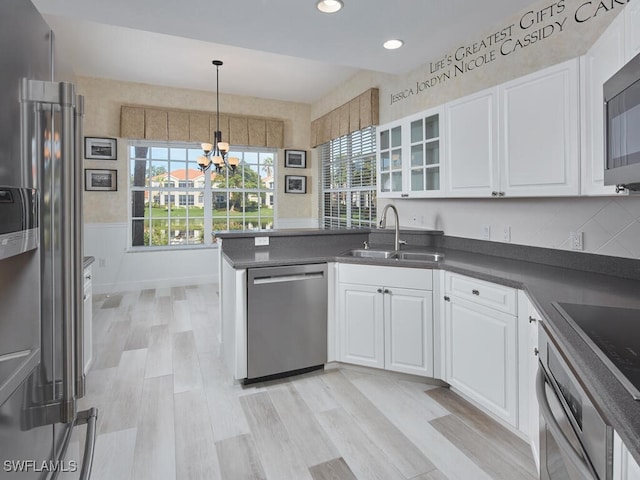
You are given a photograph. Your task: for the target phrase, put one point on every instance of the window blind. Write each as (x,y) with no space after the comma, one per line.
(348,180)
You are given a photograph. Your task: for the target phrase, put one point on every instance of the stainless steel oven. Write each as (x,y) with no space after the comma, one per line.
(575,442)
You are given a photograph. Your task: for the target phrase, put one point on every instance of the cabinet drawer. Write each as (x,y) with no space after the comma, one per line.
(485,293)
(415,278)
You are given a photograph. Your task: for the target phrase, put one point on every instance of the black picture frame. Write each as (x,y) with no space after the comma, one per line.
(100,180)
(100,148)
(295,159)
(295,184)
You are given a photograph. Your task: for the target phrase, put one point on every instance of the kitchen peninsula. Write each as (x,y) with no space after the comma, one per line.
(538,278)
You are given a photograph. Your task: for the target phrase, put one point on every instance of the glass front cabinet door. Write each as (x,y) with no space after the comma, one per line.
(409,156)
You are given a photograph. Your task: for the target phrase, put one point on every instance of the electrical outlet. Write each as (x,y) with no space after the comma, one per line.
(486,232)
(506,234)
(261,241)
(576,240)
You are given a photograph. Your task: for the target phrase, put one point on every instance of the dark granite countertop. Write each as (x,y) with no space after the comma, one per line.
(543,285)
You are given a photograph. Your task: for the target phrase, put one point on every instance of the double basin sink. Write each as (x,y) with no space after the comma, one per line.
(394,255)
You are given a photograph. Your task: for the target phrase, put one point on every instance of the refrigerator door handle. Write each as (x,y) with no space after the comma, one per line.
(71,332)
(90,417)
(78,281)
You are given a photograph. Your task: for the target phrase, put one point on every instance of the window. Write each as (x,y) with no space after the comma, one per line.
(174,203)
(348,183)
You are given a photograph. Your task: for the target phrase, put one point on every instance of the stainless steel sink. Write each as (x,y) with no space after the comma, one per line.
(391,254)
(370,253)
(421,256)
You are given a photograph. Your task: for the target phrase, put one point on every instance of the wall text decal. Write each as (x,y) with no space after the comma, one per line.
(533,27)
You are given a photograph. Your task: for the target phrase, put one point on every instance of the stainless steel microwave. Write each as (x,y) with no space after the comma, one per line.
(622,127)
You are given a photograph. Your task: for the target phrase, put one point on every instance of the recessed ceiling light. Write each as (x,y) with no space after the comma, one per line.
(329,6)
(393,44)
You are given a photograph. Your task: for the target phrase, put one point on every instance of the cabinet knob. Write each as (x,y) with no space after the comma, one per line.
(84,298)
(531,319)
(536,352)
(494,194)
(379,290)
(620,188)
(88,277)
(447,299)
(475,292)
(386,290)
(501,194)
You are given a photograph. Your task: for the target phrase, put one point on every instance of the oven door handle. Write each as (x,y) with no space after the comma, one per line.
(576,459)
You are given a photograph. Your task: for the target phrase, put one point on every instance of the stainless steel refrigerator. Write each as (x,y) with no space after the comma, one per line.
(41,337)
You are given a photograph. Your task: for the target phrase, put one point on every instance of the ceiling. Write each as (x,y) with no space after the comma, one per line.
(277,49)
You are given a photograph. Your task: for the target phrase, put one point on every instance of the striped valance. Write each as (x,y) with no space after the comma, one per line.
(359,113)
(151,123)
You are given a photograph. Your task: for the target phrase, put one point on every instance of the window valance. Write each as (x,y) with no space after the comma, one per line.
(359,113)
(151,123)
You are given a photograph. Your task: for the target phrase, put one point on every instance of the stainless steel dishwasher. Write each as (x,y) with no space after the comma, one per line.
(286,320)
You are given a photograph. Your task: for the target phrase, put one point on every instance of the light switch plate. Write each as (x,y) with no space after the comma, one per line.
(261,241)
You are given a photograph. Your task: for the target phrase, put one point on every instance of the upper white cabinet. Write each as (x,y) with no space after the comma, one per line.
(539,146)
(631,17)
(472,145)
(604,58)
(409,156)
(518,139)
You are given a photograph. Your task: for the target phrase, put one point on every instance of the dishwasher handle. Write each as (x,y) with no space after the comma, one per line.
(554,428)
(287,278)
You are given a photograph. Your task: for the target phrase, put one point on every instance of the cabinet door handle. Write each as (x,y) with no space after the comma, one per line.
(447,299)
(531,319)
(475,292)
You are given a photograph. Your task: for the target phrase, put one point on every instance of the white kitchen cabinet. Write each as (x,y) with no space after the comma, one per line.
(480,349)
(518,139)
(631,14)
(528,412)
(87,314)
(539,145)
(361,321)
(385,318)
(409,156)
(471,139)
(603,59)
(408,331)
(624,465)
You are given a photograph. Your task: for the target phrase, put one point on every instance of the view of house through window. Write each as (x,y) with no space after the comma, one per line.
(174,203)
(348,183)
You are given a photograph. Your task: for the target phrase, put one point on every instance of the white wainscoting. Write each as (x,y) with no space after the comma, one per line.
(118,269)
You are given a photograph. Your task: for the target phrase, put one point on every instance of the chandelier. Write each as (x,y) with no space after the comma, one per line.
(216,153)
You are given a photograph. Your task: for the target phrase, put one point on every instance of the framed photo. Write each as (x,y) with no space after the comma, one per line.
(295,184)
(295,158)
(100,180)
(100,148)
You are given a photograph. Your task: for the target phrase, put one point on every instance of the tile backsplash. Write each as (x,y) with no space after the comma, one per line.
(610,225)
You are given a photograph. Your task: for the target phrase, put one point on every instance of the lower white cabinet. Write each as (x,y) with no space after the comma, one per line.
(385,318)
(87,314)
(481,348)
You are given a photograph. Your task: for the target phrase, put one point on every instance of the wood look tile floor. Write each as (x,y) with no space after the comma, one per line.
(168,410)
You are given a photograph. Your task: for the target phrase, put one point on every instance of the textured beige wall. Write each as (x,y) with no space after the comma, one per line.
(103,99)
(567,38)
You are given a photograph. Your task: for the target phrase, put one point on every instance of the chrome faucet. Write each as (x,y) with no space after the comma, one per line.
(383,224)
